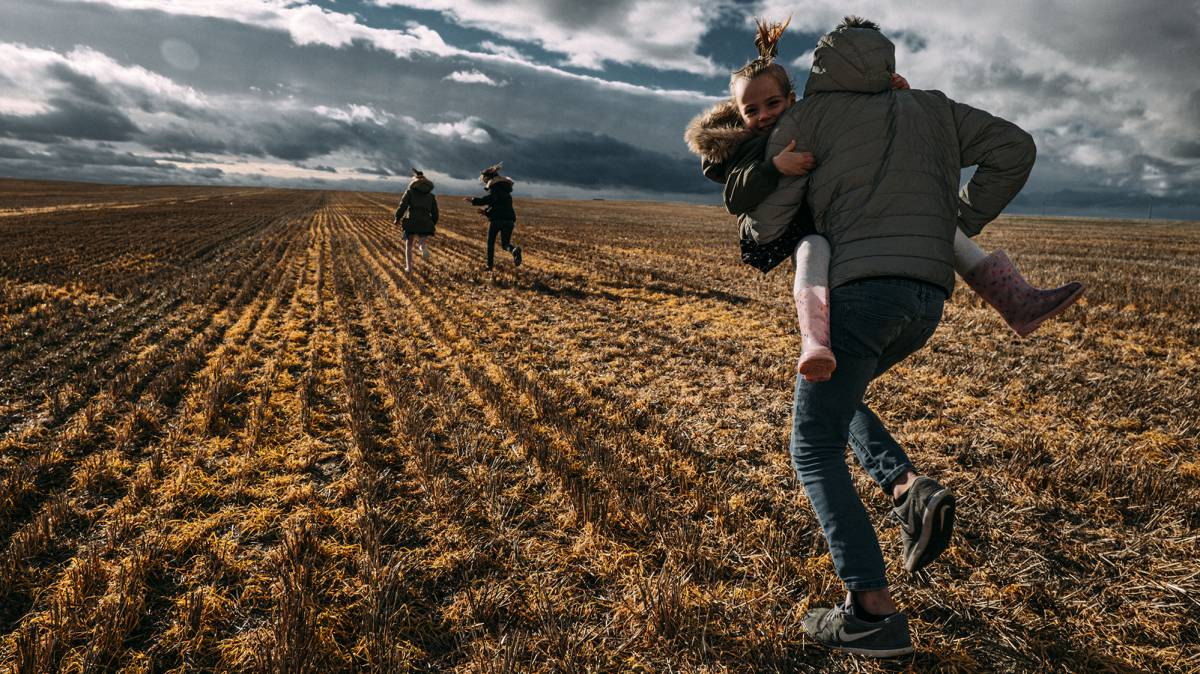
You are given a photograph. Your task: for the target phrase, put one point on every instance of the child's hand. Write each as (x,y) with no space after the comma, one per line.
(467,199)
(898,81)
(792,163)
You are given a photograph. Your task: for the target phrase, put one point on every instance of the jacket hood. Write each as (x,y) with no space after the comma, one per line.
(421,184)
(501,183)
(860,60)
(716,133)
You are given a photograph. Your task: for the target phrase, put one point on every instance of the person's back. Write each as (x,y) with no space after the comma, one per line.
(887,164)
(499,203)
(498,207)
(884,194)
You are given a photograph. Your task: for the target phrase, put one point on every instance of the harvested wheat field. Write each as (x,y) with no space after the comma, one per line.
(235,435)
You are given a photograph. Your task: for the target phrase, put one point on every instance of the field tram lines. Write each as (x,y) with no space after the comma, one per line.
(558,394)
(154,370)
(735,356)
(445,480)
(641,443)
(455,458)
(219,614)
(125,328)
(691,534)
(200,600)
(34,641)
(431,469)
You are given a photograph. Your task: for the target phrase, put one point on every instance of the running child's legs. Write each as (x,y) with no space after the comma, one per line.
(493,230)
(408,243)
(996,279)
(505,230)
(811,292)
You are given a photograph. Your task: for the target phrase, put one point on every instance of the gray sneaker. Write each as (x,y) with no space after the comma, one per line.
(926,521)
(838,628)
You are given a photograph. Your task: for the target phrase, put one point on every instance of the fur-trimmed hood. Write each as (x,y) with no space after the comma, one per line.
(421,184)
(500,182)
(717,133)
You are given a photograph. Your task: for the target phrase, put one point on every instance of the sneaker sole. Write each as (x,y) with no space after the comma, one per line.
(937,524)
(882,653)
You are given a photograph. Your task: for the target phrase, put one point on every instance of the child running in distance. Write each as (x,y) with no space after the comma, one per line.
(497,206)
(417,216)
(731,139)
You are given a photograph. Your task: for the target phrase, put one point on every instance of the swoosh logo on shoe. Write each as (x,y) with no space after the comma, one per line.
(845,636)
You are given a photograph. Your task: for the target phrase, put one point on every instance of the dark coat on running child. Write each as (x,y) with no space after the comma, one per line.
(497,202)
(732,155)
(418,211)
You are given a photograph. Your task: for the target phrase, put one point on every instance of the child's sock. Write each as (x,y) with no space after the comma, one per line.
(967,253)
(811,292)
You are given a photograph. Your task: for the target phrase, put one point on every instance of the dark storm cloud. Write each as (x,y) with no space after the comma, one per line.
(85,155)
(1186,149)
(69,118)
(381,172)
(13,152)
(1106,91)
(586,159)
(81,108)
(184,139)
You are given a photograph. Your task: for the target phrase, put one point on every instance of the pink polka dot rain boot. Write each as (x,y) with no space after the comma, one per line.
(1022,306)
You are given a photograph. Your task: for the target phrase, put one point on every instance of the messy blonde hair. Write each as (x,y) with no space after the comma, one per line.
(767,42)
(487,174)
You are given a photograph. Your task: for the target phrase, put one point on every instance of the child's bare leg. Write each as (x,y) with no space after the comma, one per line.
(421,246)
(408,253)
(996,279)
(811,291)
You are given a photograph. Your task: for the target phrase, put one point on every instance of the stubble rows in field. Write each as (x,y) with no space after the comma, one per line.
(236,435)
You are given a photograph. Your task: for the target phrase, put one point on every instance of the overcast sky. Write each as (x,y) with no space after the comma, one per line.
(579,99)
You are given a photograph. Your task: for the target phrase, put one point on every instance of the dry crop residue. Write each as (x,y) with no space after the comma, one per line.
(236,435)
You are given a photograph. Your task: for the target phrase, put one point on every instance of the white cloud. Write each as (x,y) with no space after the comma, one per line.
(354,113)
(473,77)
(305,23)
(468,129)
(503,50)
(309,24)
(1096,85)
(656,33)
(29,81)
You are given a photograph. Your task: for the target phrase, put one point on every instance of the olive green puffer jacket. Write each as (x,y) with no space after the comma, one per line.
(885,187)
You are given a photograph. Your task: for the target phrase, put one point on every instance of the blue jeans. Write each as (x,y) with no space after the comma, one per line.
(874,324)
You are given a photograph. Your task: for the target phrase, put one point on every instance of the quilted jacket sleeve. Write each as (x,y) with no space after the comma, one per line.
(1004,154)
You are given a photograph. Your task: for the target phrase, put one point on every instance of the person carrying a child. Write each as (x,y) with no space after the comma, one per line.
(880,188)
(417,216)
(730,139)
(497,206)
